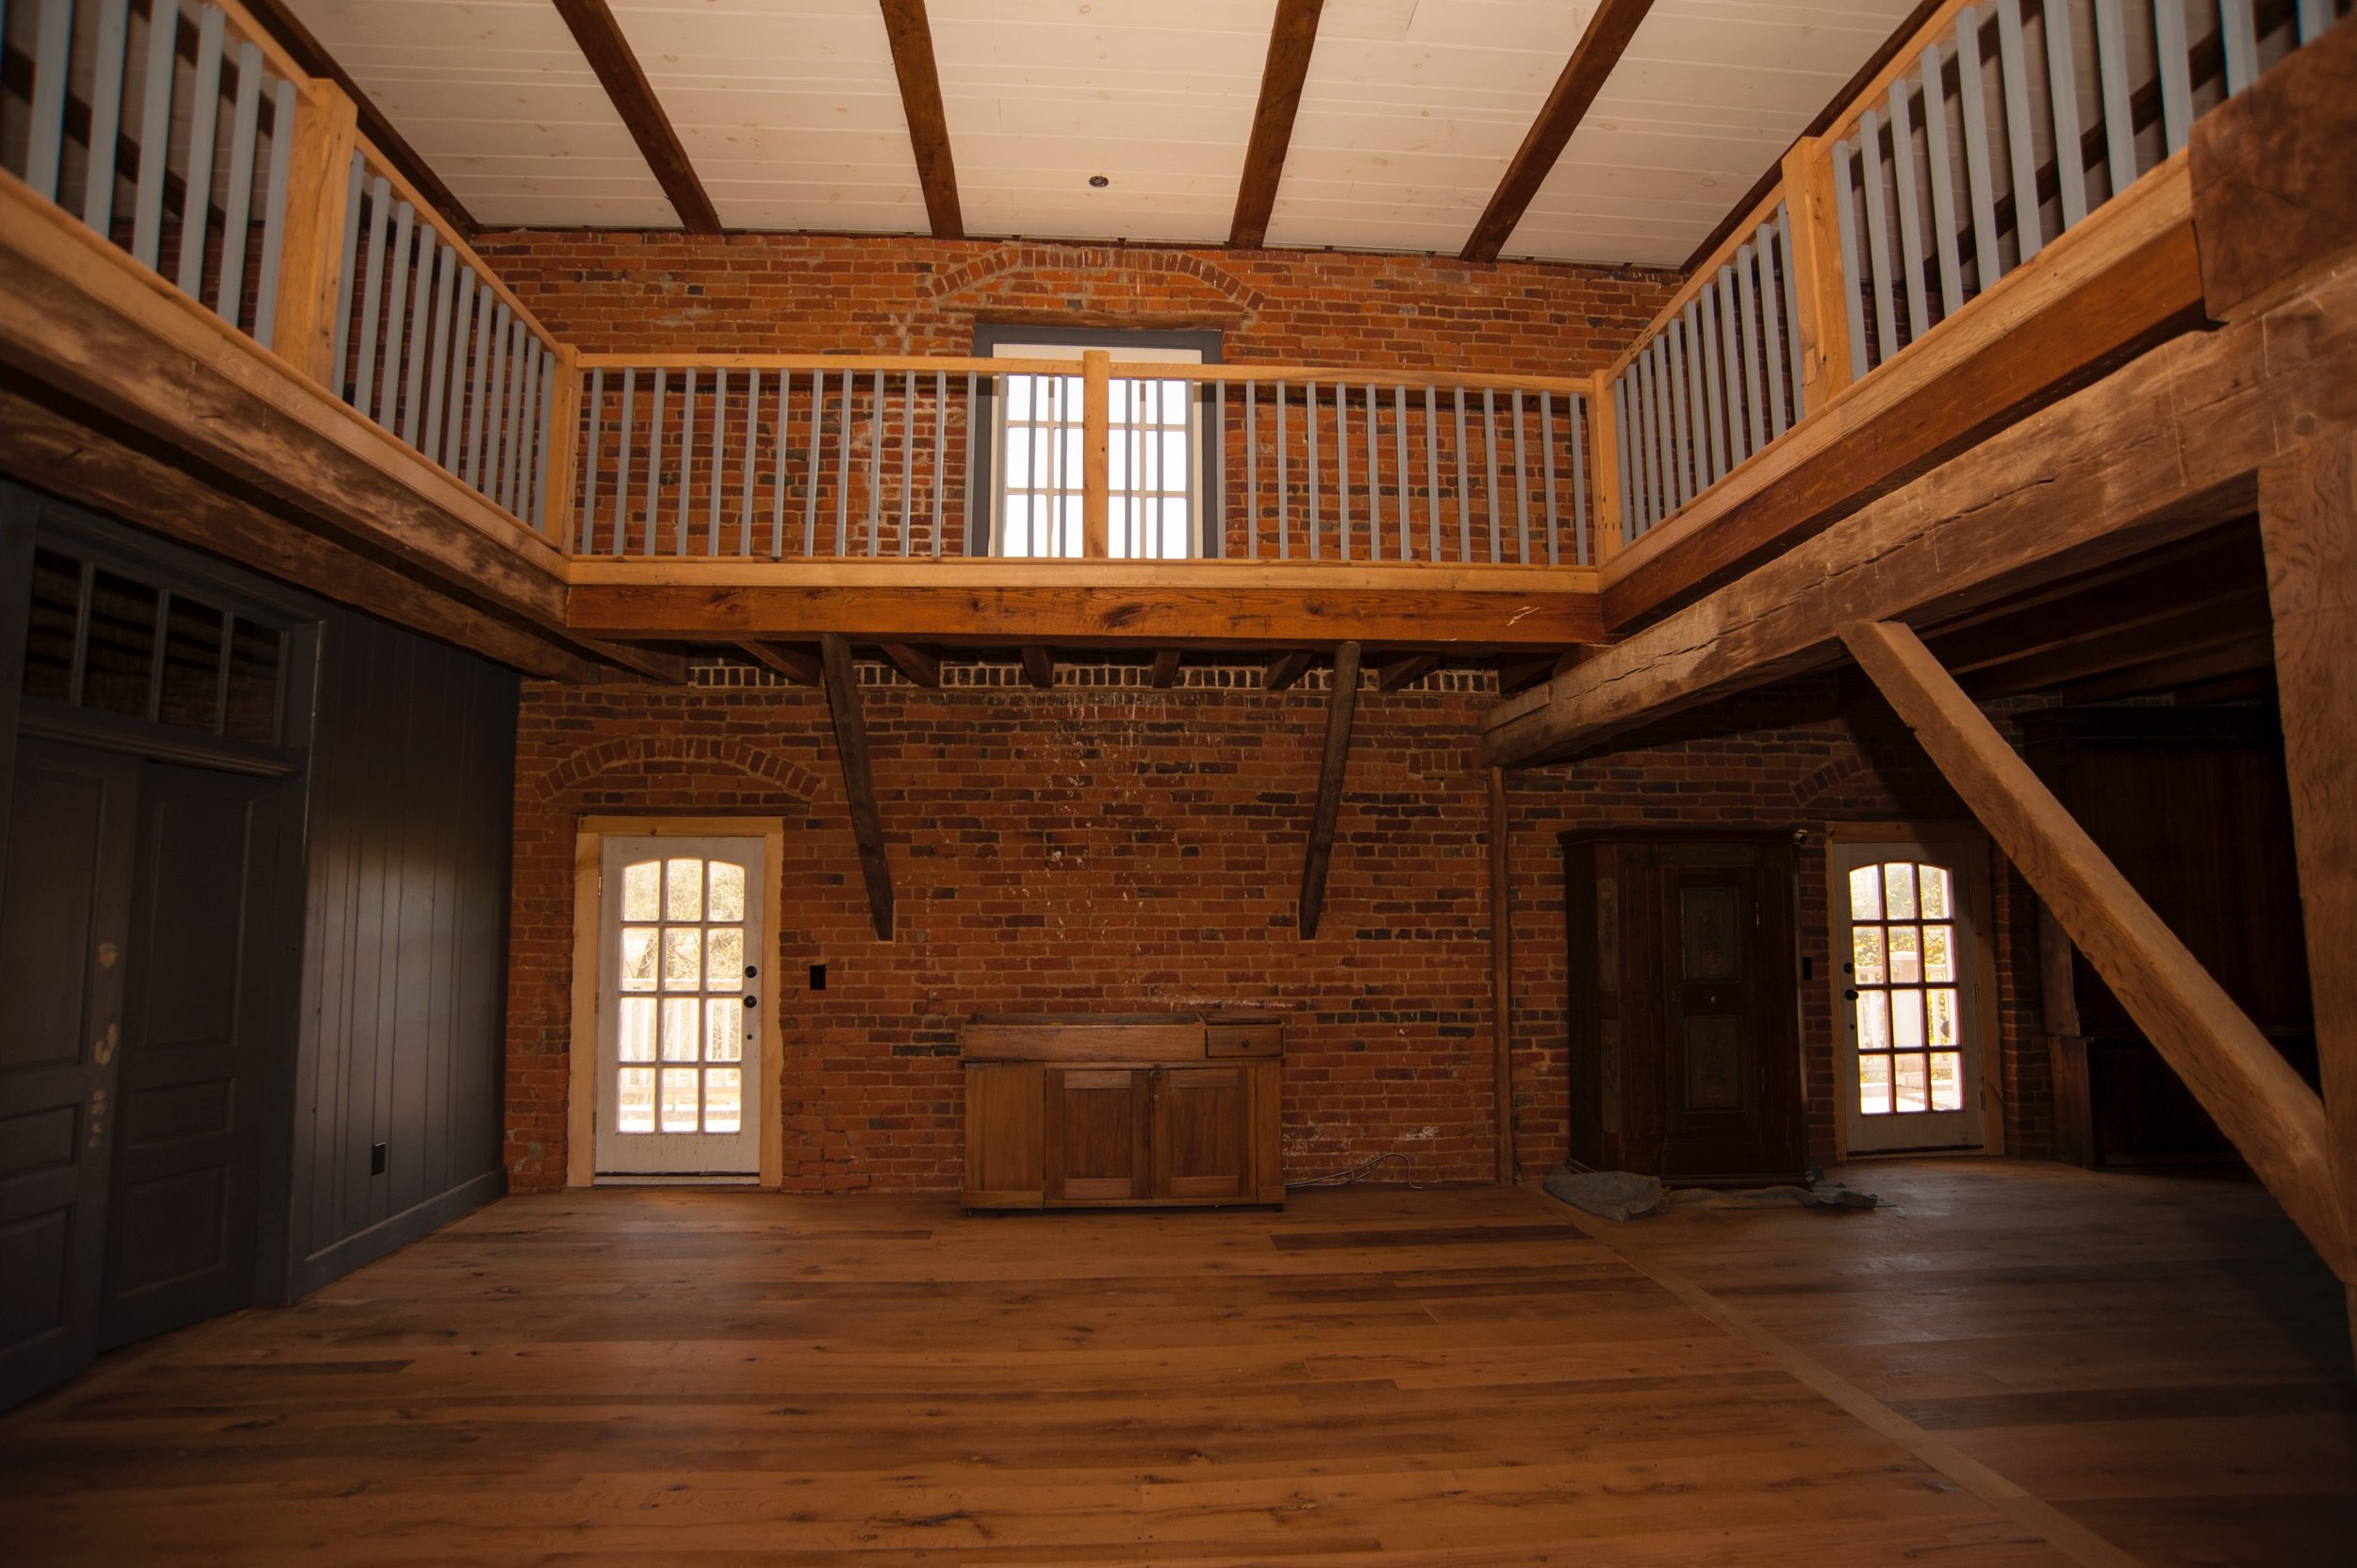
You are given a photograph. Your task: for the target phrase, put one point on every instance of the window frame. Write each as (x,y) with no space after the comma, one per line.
(982,498)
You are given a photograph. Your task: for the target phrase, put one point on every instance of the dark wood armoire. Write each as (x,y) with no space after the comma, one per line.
(1685,1044)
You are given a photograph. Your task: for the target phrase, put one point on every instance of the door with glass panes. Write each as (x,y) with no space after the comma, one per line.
(679,1006)
(1905,950)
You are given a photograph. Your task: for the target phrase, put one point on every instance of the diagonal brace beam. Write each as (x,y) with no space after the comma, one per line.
(859,779)
(1339,710)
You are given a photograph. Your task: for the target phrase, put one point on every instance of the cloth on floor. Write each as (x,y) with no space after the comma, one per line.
(1621,1195)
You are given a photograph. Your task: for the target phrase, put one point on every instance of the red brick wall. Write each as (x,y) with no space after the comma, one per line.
(1109,846)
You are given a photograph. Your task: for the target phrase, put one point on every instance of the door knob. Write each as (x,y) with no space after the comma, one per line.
(752,1001)
(1849,992)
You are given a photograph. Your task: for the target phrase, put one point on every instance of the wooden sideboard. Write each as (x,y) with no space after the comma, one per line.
(1123,1110)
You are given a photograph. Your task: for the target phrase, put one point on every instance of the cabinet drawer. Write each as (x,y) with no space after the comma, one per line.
(1244,1040)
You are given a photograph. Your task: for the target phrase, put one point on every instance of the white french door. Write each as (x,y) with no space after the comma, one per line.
(679,946)
(1907,954)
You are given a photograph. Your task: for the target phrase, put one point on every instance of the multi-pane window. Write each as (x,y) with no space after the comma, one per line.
(1153,461)
(1903,976)
(681,1020)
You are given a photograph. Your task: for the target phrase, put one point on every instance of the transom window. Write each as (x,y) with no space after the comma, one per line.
(1904,971)
(682,1011)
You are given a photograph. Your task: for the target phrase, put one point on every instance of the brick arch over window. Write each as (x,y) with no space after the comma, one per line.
(645,753)
(1087,285)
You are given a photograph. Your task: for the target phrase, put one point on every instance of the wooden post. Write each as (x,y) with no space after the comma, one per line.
(326,133)
(1341,704)
(2274,1119)
(1824,324)
(1604,467)
(1501,980)
(2308,527)
(1096,452)
(859,779)
(564,455)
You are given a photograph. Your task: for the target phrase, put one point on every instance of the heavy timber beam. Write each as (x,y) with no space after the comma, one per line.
(609,54)
(859,779)
(1293,35)
(1340,706)
(2308,520)
(2163,448)
(2276,1120)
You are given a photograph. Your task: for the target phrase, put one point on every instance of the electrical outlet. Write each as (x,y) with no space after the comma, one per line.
(819,977)
(376,1159)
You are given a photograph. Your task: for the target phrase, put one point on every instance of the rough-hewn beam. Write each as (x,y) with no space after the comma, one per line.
(625,82)
(2308,522)
(1292,38)
(313,57)
(911,36)
(1593,59)
(797,665)
(1341,705)
(2240,1078)
(1165,669)
(1039,666)
(2149,454)
(920,665)
(1284,671)
(44,448)
(859,779)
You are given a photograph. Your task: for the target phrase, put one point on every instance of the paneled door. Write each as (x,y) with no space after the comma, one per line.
(1202,1133)
(1906,952)
(1097,1135)
(678,998)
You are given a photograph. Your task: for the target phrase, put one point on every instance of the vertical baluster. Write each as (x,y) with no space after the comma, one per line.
(2316,18)
(347,269)
(1731,368)
(417,338)
(753,435)
(2168,44)
(1490,451)
(519,413)
(203,127)
(275,213)
(1546,446)
(1251,472)
(1845,219)
(1656,384)
(843,466)
(1681,415)
(1972,98)
(438,350)
(462,319)
(654,458)
(1431,474)
(2062,85)
(687,460)
(1943,189)
(973,436)
(1773,357)
(544,449)
(237,214)
(1309,415)
(2242,44)
(1910,212)
(1877,199)
(1341,468)
(106,112)
(1399,455)
(1641,438)
(1284,542)
(876,418)
(719,457)
(811,467)
(941,449)
(2111,74)
(1521,485)
(495,406)
(147,202)
(1706,333)
(1694,334)
(1620,425)
(53,58)
(777,463)
(371,297)
(1375,477)
(2020,134)
(908,458)
(1212,522)
(1464,495)
(589,470)
(387,408)
(621,462)
(1747,331)
(1580,426)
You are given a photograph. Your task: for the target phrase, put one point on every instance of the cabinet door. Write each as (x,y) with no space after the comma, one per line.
(1202,1134)
(1005,1107)
(1097,1133)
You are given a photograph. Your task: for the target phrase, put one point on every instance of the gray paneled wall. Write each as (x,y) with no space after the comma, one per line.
(411,771)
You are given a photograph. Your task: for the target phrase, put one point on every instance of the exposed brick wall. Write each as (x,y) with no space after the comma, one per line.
(1107,846)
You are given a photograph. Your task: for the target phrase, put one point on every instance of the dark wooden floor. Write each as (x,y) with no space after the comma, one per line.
(2019,1364)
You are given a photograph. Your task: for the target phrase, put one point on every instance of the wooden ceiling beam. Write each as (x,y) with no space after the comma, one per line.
(859,777)
(1292,38)
(2275,1120)
(912,35)
(1341,704)
(1584,74)
(313,57)
(625,82)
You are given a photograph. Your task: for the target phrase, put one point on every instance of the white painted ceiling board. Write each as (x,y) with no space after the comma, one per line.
(496,97)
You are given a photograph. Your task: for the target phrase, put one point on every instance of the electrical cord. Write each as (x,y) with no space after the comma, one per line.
(1359,1172)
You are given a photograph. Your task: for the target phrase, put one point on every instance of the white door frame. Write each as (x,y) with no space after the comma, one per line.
(765,1064)
(1966,847)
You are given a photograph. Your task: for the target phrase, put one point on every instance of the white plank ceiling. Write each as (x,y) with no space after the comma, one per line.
(790,112)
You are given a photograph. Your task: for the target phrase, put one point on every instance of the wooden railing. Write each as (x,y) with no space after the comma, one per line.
(841,456)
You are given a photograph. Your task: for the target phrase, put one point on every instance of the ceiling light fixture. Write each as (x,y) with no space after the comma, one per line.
(1098,182)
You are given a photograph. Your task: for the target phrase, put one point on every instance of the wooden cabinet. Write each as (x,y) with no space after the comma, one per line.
(1122,1110)
(1684,1050)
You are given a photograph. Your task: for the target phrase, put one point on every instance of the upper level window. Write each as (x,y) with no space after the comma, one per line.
(1158,465)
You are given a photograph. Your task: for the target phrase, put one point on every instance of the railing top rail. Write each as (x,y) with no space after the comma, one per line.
(274,55)
(1381,375)
(427,212)
(1903,63)
(1699,279)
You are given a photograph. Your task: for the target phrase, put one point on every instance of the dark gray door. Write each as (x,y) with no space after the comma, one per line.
(195,1062)
(65,919)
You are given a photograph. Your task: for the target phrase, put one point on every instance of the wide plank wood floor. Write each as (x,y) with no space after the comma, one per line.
(1470,1377)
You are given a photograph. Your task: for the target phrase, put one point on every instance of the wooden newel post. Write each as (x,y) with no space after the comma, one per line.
(326,133)
(1097,398)
(564,449)
(1824,324)
(1605,463)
